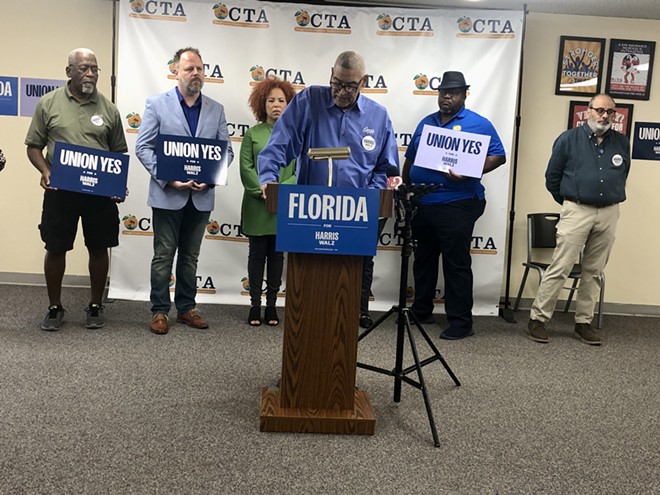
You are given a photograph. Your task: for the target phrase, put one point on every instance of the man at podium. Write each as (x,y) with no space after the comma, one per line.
(335,116)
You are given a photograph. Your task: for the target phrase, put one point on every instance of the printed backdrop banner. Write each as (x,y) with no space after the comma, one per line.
(242,42)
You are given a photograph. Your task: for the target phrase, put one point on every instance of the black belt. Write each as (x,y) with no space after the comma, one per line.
(595,205)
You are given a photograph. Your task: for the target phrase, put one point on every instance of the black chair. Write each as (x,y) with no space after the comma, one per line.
(542,234)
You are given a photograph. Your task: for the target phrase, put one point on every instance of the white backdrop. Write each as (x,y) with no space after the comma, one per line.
(406,52)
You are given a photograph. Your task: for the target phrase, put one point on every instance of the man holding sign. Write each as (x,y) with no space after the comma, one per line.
(76,114)
(445,218)
(180,199)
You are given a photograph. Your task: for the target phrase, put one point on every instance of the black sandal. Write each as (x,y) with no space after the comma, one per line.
(270,316)
(254,317)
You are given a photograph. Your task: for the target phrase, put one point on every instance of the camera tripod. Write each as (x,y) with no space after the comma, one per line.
(404,212)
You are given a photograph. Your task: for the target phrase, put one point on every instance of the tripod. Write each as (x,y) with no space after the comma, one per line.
(404,213)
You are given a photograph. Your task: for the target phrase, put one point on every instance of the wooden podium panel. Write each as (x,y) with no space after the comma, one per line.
(317,391)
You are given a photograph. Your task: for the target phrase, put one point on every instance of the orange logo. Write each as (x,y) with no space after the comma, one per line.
(257,72)
(134,120)
(220,10)
(302,18)
(130,222)
(213,227)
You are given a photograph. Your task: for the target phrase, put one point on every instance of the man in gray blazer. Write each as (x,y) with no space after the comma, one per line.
(180,210)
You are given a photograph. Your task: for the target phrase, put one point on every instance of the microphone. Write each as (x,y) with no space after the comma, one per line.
(394,180)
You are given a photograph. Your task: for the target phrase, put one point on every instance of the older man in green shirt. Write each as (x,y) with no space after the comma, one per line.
(75,114)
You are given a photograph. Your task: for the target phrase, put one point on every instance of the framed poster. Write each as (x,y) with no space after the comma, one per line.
(579,69)
(621,122)
(630,67)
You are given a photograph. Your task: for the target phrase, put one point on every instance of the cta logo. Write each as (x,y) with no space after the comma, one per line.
(237,131)
(133,120)
(217,231)
(203,284)
(158,10)
(239,17)
(136,226)
(212,72)
(258,74)
(318,22)
(375,84)
(403,140)
(403,26)
(483,245)
(484,28)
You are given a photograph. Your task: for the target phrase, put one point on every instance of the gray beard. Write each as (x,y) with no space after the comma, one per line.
(598,129)
(87,88)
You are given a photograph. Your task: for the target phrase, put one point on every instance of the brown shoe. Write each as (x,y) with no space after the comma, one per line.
(536,331)
(192,318)
(159,324)
(587,334)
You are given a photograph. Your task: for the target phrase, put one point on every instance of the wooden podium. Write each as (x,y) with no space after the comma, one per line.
(317,391)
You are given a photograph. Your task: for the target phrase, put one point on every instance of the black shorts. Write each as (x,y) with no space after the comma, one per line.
(59,220)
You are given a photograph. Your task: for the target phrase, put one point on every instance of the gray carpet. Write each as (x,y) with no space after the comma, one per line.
(120,410)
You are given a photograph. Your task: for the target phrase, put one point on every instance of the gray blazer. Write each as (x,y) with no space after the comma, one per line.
(164,115)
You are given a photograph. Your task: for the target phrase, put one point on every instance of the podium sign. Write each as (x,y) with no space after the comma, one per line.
(89,170)
(327,220)
(186,158)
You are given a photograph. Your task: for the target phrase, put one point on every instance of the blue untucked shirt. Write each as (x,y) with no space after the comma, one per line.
(312,120)
(191,113)
(452,190)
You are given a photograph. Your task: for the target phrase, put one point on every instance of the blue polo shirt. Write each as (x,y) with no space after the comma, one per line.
(312,120)
(452,190)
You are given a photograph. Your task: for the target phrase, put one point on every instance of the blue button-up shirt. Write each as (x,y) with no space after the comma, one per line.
(191,113)
(312,120)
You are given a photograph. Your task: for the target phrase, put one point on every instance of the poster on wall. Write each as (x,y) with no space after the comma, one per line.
(630,67)
(580,65)
(646,142)
(621,122)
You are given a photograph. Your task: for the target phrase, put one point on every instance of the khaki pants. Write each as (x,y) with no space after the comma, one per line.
(580,228)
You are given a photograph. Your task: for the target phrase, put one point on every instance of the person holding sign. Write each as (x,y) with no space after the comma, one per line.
(267,101)
(445,218)
(586,175)
(335,116)
(180,208)
(76,114)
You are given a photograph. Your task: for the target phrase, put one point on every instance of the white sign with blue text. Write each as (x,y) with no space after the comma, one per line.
(443,149)
(327,220)
(89,171)
(187,158)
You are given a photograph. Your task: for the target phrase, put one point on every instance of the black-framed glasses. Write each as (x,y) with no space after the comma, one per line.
(349,88)
(601,111)
(82,69)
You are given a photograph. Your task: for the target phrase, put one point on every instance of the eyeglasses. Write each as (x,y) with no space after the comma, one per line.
(82,69)
(601,111)
(350,89)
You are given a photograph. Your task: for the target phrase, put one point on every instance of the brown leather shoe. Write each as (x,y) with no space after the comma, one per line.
(159,324)
(192,318)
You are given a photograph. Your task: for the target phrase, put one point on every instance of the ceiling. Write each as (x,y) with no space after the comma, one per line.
(638,9)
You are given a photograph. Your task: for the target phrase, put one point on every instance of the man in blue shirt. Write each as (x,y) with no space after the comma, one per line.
(180,210)
(335,117)
(445,218)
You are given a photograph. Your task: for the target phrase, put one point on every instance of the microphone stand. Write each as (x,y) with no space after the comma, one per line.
(404,213)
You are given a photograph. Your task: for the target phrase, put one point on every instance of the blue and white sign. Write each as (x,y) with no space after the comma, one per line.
(8,95)
(327,220)
(646,141)
(33,89)
(443,149)
(89,171)
(187,158)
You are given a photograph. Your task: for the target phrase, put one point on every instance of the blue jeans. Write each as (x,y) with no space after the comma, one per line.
(174,230)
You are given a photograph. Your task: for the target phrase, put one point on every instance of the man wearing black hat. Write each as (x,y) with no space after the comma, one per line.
(445,218)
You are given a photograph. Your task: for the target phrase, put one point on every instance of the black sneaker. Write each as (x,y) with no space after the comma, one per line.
(95,318)
(53,320)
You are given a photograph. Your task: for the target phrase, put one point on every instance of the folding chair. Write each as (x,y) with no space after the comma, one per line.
(542,234)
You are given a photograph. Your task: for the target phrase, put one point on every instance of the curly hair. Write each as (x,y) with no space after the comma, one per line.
(259,95)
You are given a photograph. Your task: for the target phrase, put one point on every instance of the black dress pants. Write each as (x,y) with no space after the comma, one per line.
(445,230)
